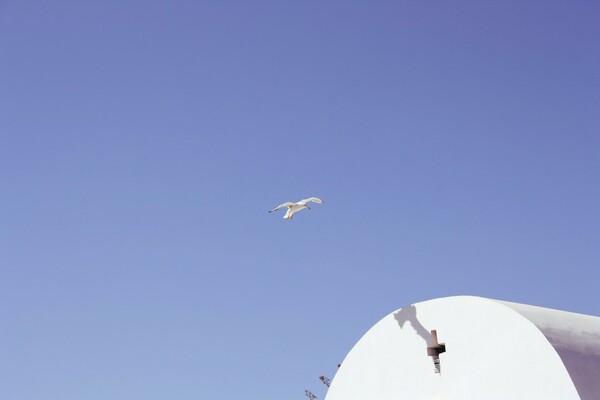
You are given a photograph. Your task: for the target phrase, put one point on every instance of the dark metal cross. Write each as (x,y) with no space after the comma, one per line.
(435,350)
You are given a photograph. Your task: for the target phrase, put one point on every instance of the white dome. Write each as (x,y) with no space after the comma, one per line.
(488,349)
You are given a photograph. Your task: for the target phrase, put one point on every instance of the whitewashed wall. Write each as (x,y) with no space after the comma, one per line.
(494,350)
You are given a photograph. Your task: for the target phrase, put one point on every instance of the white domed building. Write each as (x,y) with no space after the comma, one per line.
(473,348)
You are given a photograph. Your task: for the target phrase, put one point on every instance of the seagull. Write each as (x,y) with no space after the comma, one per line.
(295,207)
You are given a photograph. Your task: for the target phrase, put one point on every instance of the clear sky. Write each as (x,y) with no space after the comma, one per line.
(456,144)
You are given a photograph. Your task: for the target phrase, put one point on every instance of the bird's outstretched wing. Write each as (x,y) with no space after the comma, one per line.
(279,207)
(313,199)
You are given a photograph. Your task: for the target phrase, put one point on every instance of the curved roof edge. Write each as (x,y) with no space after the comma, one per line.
(576,339)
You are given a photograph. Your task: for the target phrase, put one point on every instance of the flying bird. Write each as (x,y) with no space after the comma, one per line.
(295,207)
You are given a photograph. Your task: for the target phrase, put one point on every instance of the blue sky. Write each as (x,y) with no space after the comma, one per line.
(142,142)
